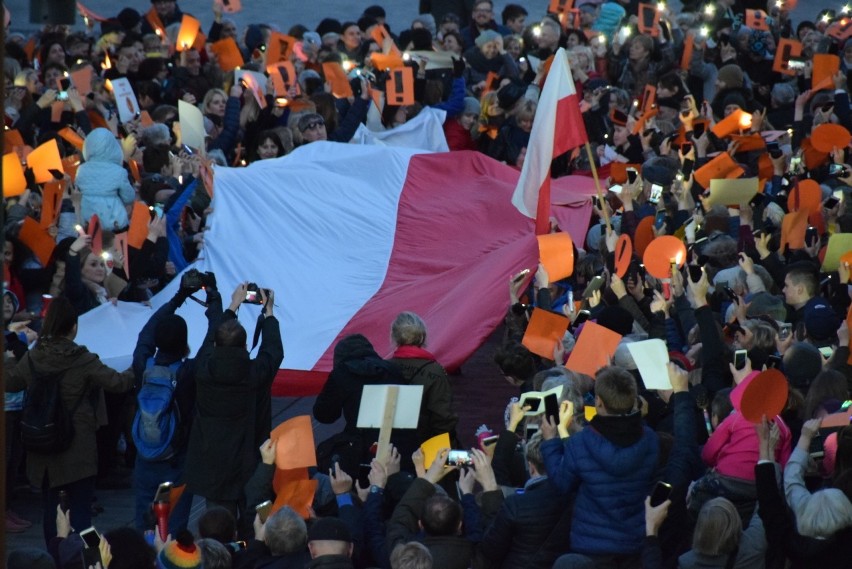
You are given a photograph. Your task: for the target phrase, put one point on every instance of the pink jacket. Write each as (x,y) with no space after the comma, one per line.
(733,449)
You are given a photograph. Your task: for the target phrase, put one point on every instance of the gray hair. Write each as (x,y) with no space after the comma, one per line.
(428,22)
(411,555)
(783,93)
(408,329)
(214,555)
(824,514)
(285,532)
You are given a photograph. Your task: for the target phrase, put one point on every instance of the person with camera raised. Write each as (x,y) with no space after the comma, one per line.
(166,399)
(233,404)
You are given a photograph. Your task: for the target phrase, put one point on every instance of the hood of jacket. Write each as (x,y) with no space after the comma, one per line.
(357,356)
(101,146)
(53,355)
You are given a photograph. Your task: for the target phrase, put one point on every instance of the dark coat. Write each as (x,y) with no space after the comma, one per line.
(331,562)
(516,537)
(232,411)
(84,377)
(436,407)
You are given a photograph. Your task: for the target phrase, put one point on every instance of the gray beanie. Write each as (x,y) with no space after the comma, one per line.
(471,106)
(428,21)
(485,37)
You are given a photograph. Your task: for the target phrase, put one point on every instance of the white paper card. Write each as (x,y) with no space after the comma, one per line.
(652,358)
(535,399)
(372,409)
(125,99)
(192,131)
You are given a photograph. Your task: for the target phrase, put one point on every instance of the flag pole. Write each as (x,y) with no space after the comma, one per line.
(604,208)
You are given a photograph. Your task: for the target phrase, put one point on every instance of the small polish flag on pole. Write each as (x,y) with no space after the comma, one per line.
(558,127)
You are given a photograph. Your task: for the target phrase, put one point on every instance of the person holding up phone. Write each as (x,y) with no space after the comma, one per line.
(233,406)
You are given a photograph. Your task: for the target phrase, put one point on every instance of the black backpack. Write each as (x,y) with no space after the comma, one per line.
(46,426)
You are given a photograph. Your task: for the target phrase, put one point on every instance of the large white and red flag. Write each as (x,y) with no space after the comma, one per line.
(348,236)
(558,127)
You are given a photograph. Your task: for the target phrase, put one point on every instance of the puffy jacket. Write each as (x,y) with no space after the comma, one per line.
(610,464)
(103,181)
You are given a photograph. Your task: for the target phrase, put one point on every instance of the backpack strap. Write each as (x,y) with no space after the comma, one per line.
(61,374)
(421,368)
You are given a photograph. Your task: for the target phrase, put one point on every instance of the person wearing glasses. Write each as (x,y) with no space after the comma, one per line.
(482,19)
(312,126)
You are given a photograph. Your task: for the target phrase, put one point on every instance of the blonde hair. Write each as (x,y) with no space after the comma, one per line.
(579,50)
(526,110)
(208,96)
(718,528)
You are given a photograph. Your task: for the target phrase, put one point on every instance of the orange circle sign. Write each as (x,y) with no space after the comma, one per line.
(766,394)
(828,136)
(661,253)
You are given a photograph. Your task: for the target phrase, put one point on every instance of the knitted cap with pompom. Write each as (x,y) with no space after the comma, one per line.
(180,554)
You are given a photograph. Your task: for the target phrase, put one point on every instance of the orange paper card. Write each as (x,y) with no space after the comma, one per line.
(336,76)
(228,54)
(787,49)
(756,20)
(644,235)
(11,139)
(82,80)
(51,201)
(298,495)
(748,142)
(140,217)
(722,166)
(384,61)
(174,495)
(556,252)
(805,195)
(279,48)
(43,159)
(688,48)
(72,137)
(793,228)
(295,443)
(189,29)
(560,6)
(841,30)
(545,328)
(96,232)
(828,136)
(14,182)
(734,122)
(283,75)
(824,69)
(38,240)
(384,40)
(649,98)
(399,89)
(593,350)
(623,255)
(649,20)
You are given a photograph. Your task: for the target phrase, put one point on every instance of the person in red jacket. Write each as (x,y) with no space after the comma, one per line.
(459,129)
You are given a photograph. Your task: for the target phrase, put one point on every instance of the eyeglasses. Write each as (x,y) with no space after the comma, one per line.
(313,125)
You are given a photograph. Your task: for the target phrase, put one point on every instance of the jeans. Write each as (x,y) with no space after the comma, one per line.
(80,494)
(147,476)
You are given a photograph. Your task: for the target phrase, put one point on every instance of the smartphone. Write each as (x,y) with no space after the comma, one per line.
(774,149)
(810,235)
(64,501)
(831,202)
(686,147)
(826,351)
(773,362)
(757,200)
(594,285)
(695,273)
(796,63)
(459,458)
(91,538)
(697,130)
(582,316)
(656,193)
(163,491)
(836,170)
(785,331)
(551,408)
(616,189)
(263,509)
(489,441)
(632,174)
(660,219)
(740,359)
(662,491)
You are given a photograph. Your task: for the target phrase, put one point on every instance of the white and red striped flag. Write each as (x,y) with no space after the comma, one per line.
(558,127)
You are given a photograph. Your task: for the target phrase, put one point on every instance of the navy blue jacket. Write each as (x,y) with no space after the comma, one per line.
(611,482)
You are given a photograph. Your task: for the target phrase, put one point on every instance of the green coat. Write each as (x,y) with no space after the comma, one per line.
(84,377)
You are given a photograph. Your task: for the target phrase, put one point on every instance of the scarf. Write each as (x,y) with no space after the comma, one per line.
(413,353)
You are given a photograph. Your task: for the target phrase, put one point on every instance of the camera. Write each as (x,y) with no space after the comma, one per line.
(253,295)
(194,280)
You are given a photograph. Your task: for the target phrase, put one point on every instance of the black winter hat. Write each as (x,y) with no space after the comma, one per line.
(170,335)
(617,319)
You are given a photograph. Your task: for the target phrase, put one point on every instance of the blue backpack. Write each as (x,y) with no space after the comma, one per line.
(157,416)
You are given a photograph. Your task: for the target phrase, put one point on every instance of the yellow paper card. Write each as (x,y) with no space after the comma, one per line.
(433,446)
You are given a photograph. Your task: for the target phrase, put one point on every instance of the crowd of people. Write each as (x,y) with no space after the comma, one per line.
(659,92)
